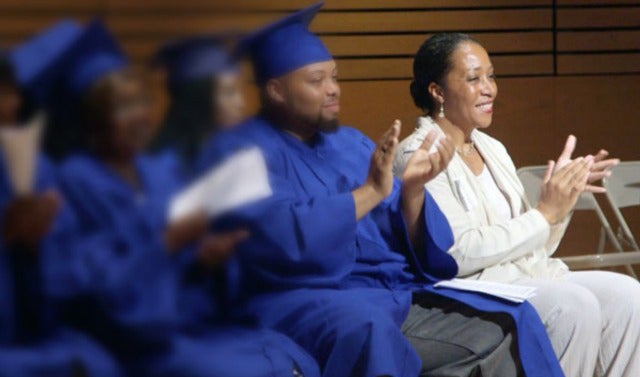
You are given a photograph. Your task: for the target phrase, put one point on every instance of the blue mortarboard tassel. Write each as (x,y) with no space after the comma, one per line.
(285,45)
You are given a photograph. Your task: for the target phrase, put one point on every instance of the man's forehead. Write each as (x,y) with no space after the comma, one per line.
(309,69)
(325,66)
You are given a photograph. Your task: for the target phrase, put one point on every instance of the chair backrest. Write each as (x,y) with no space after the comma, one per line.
(623,187)
(531,178)
(623,190)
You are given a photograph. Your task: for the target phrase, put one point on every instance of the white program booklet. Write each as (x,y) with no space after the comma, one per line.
(21,146)
(510,292)
(240,179)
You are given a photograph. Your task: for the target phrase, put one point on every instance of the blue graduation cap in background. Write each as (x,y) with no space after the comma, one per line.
(66,51)
(285,45)
(95,55)
(77,57)
(38,61)
(195,58)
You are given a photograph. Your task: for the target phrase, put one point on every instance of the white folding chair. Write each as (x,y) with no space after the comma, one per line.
(531,177)
(623,190)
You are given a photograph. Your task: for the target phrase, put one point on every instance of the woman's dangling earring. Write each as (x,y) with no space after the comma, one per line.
(441,115)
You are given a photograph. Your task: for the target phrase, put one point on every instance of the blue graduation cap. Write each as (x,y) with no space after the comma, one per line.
(285,45)
(67,51)
(95,55)
(195,58)
(37,61)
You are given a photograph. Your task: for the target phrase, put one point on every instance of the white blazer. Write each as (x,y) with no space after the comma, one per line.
(487,247)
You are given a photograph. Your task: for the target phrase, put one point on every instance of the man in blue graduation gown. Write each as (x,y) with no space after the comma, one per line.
(33,342)
(128,277)
(337,259)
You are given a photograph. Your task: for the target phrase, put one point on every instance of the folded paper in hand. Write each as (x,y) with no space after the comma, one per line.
(239,180)
(20,146)
(510,292)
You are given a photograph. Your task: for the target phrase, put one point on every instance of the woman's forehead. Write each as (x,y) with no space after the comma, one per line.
(470,56)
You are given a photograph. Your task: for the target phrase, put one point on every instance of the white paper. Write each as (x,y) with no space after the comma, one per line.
(20,146)
(511,292)
(239,180)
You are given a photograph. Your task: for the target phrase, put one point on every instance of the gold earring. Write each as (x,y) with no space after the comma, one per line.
(441,115)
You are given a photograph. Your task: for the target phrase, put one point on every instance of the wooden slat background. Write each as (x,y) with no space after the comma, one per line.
(564,66)
(374,39)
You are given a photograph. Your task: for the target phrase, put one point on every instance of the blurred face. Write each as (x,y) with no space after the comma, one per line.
(312,95)
(130,117)
(10,103)
(229,102)
(470,88)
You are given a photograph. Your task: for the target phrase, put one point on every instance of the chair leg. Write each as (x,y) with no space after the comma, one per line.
(602,242)
(614,239)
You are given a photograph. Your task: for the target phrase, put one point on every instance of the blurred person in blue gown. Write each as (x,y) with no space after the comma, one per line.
(33,341)
(205,87)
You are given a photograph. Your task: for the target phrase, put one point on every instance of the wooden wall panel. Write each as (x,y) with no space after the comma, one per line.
(435,20)
(398,46)
(337,22)
(56,6)
(599,40)
(401,68)
(288,5)
(599,17)
(594,64)
(595,2)
(408,44)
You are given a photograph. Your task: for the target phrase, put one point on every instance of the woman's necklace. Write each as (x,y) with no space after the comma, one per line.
(466,149)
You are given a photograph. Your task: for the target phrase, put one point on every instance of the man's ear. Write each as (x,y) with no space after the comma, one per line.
(275,91)
(436,92)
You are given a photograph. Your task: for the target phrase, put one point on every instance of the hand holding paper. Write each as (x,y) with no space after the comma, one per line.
(239,180)
(20,146)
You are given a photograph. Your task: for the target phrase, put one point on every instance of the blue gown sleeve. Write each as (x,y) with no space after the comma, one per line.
(431,261)
(294,238)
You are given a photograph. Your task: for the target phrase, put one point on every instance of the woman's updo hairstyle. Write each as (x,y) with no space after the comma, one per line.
(431,64)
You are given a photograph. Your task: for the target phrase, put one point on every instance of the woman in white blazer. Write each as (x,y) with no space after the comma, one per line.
(593,317)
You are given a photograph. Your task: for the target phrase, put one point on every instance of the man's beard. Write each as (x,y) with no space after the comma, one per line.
(328,126)
(318,124)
